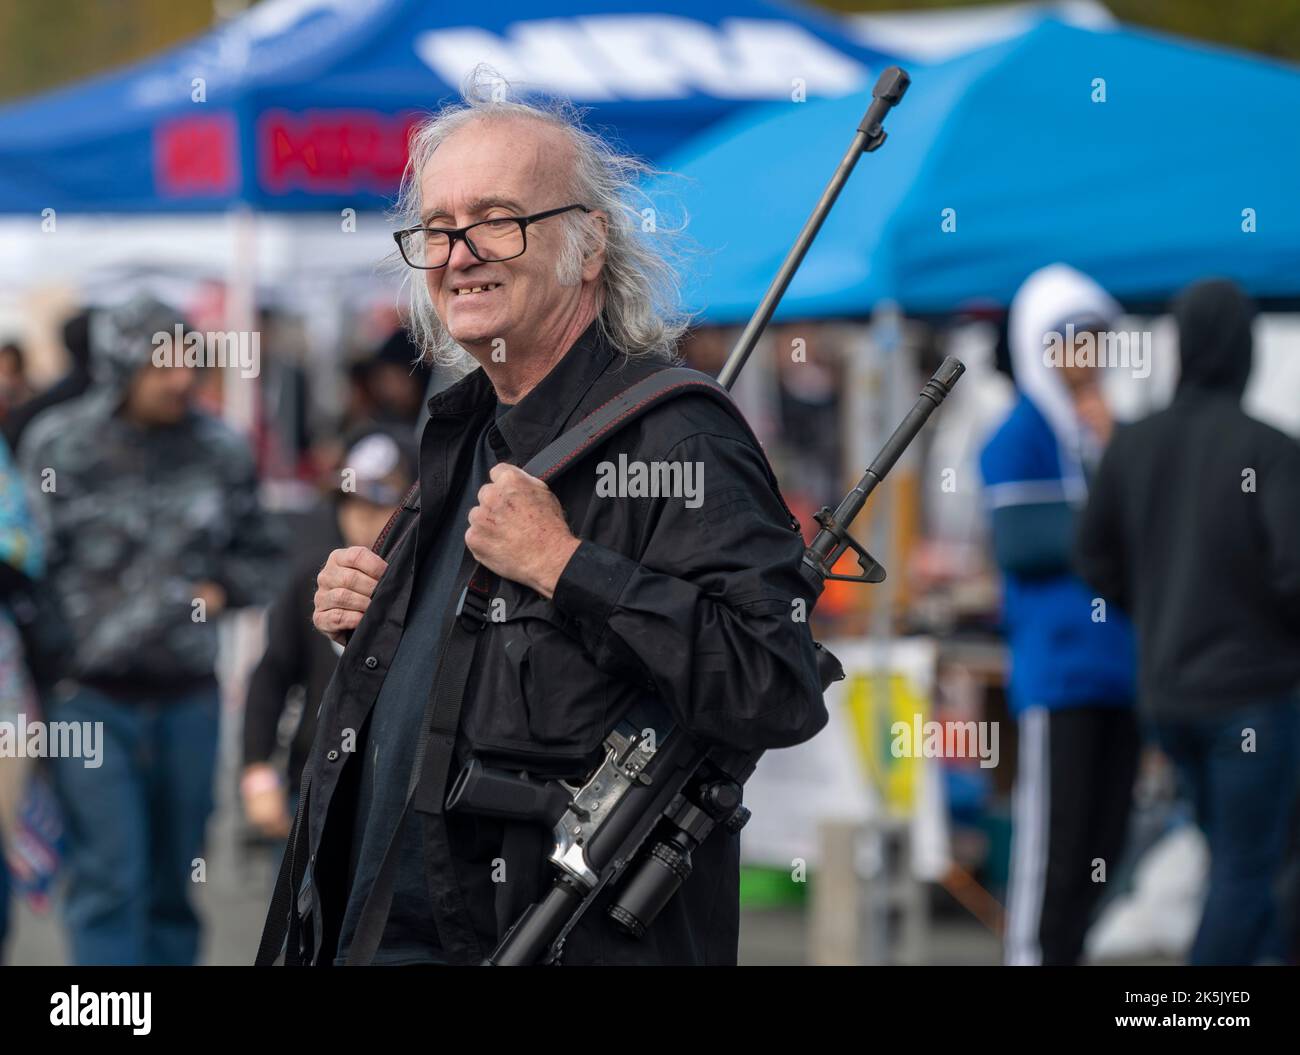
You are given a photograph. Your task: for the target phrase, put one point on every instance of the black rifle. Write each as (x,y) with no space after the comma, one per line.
(658,794)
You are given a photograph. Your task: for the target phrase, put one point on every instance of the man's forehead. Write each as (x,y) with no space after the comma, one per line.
(491,163)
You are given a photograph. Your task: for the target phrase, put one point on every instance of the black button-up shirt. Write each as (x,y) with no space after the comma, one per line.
(698,602)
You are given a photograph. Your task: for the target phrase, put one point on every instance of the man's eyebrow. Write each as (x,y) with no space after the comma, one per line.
(476,207)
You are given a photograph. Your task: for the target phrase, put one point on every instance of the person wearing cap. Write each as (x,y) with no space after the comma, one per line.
(1071,686)
(376,472)
(153,526)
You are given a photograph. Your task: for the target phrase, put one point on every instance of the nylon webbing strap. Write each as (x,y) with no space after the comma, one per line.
(565,451)
(615,414)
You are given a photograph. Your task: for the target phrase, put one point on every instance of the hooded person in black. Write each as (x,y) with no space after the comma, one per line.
(1193,528)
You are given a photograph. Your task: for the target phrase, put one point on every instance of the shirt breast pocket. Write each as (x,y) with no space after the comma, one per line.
(537,698)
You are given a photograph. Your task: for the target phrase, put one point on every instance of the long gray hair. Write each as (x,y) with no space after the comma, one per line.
(641,312)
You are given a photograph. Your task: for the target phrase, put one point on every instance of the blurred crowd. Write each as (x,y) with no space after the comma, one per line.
(132,519)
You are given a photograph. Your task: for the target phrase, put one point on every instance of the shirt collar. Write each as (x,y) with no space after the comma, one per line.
(535,420)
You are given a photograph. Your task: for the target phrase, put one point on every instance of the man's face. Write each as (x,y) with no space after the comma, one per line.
(1080,379)
(161,395)
(490,169)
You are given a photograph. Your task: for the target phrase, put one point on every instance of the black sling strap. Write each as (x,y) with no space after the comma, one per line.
(434,753)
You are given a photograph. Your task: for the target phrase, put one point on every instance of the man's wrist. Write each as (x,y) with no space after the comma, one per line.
(590,587)
(558,560)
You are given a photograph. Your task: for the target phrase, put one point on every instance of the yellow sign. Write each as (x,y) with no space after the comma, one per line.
(876,701)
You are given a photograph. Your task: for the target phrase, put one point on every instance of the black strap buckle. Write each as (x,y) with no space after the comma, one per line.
(472,608)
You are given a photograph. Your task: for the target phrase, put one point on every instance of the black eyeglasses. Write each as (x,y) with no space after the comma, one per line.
(503,238)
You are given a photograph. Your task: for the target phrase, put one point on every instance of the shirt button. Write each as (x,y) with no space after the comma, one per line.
(333,756)
(371,662)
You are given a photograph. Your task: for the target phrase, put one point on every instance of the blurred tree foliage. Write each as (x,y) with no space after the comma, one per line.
(1271,27)
(45,43)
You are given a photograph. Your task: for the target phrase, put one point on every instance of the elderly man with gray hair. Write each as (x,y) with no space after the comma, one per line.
(527,252)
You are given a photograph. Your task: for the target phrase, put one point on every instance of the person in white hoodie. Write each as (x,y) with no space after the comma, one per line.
(1072,661)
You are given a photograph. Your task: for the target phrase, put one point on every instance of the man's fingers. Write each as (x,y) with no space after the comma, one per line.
(366,561)
(505,471)
(338,574)
(343,582)
(347,600)
(353,581)
(343,591)
(331,621)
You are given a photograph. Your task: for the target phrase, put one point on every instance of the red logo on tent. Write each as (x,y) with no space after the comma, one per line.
(332,151)
(196,157)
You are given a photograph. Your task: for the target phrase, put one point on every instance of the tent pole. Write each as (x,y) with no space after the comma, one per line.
(239,404)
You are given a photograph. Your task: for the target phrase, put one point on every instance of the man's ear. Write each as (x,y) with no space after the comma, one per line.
(594,260)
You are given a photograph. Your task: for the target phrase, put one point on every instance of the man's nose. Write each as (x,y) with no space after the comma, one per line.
(461,257)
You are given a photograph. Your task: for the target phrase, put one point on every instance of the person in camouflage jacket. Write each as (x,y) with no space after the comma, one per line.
(153,527)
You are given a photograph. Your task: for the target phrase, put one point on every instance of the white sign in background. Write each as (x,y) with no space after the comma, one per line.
(795,789)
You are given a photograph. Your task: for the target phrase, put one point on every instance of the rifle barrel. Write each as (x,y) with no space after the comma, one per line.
(829,544)
(888,91)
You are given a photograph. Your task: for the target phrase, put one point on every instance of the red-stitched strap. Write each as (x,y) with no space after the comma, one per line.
(625,408)
(608,418)
(383,535)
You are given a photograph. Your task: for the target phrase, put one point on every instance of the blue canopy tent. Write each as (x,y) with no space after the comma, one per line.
(305,104)
(1006,159)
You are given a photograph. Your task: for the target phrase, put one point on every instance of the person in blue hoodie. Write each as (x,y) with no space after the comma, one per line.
(1071,685)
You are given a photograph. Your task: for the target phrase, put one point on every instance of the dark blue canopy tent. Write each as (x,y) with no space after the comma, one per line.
(305,104)
(1187,168)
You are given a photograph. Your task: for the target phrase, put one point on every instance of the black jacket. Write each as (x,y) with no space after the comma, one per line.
(71,386)
(296,655)
(692,604)
(1193,526)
